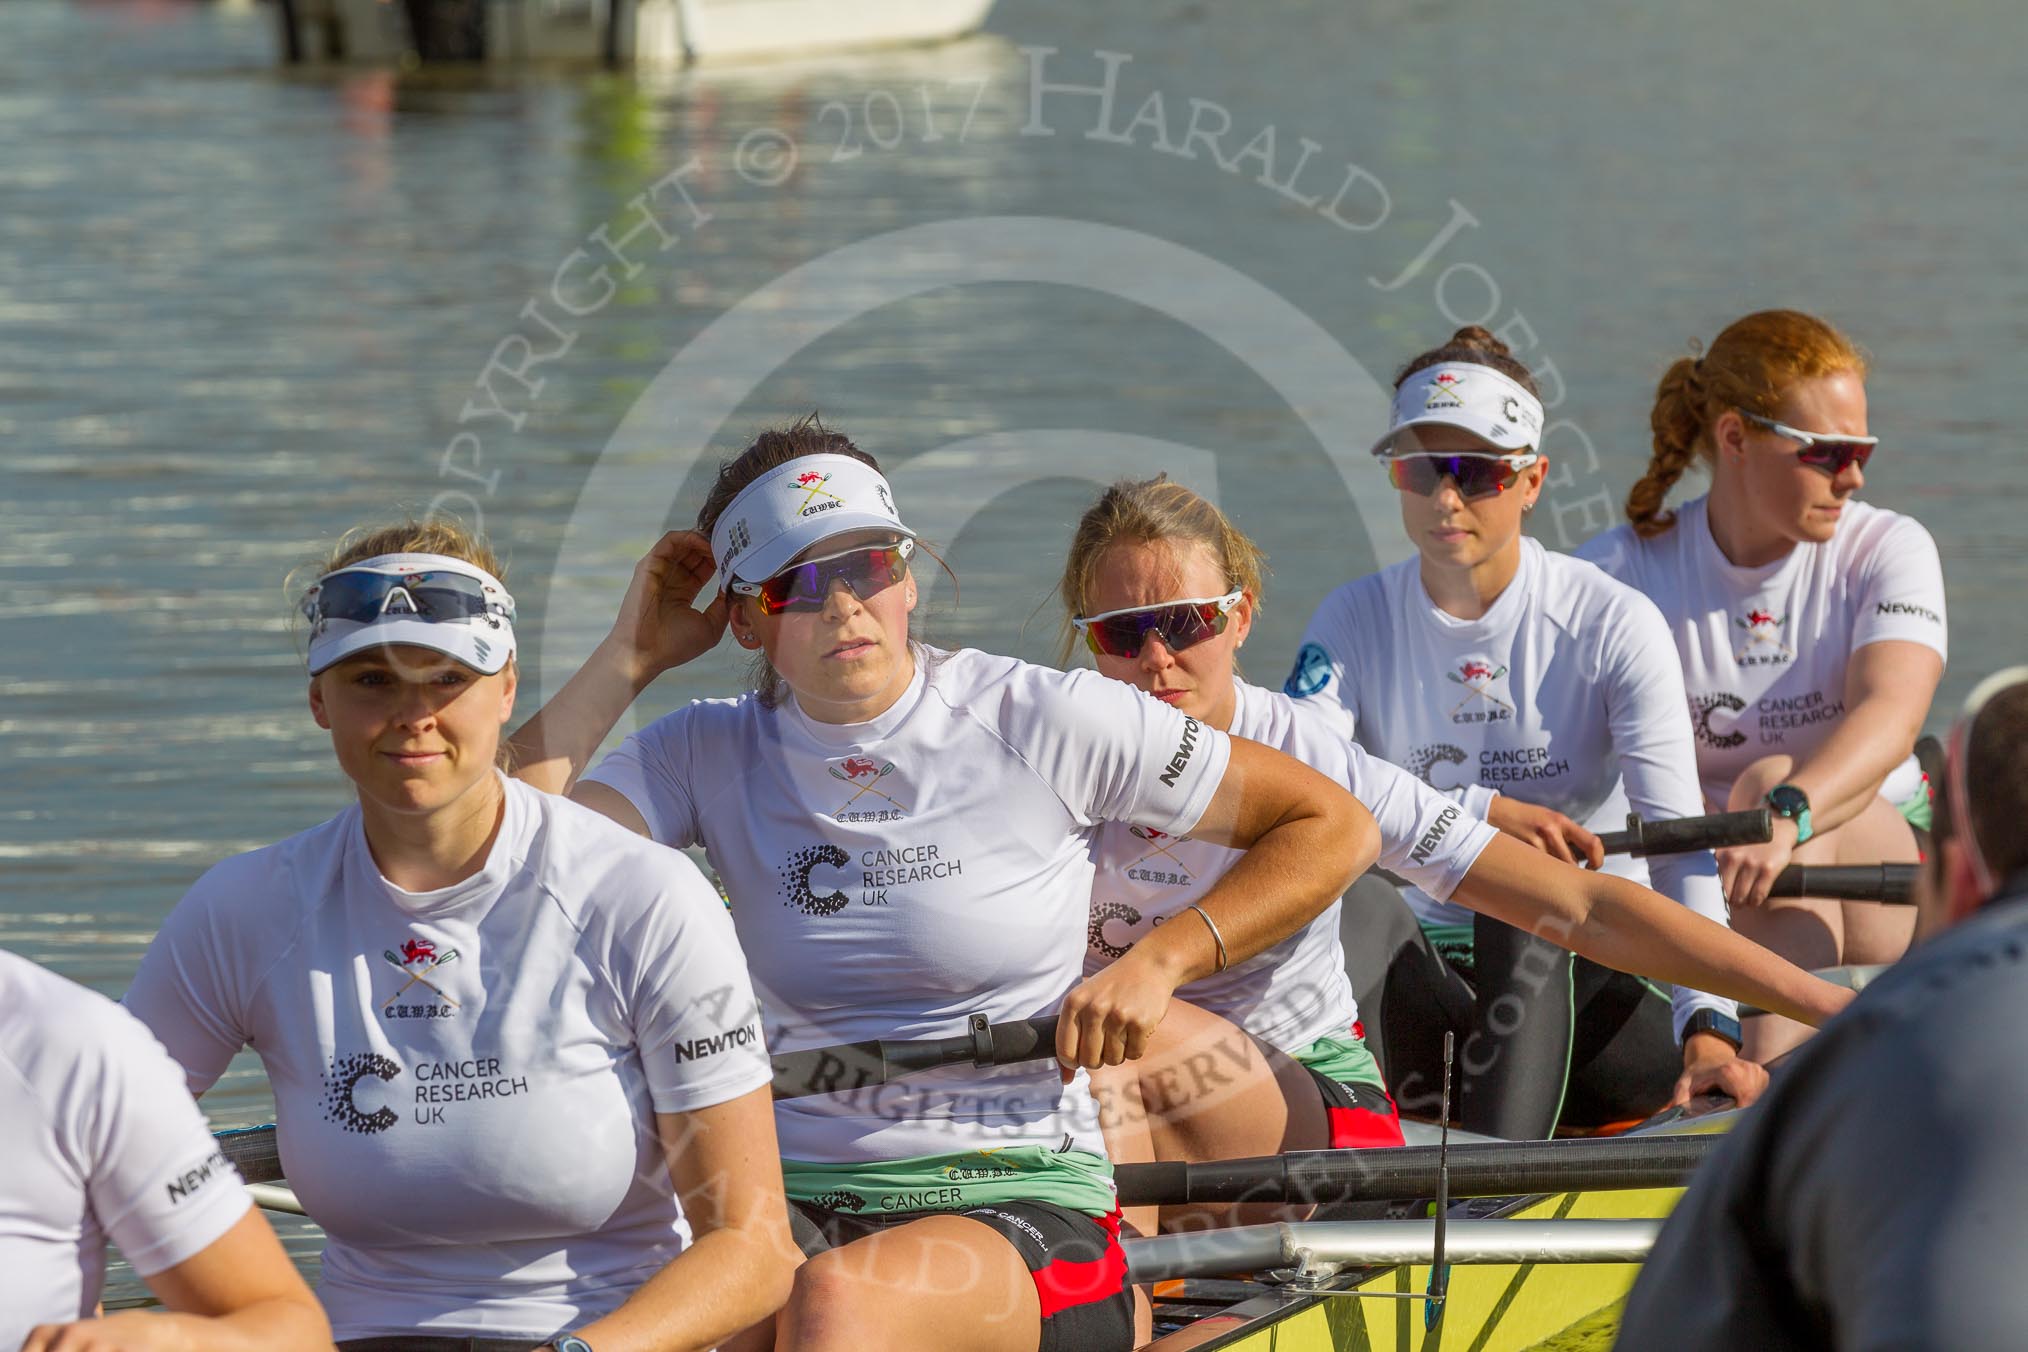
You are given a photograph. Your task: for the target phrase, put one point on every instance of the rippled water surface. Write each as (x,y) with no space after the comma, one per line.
(242,310)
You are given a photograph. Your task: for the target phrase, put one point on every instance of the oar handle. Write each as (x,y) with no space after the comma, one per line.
(1755,826)
(859,1065)
(1890,883)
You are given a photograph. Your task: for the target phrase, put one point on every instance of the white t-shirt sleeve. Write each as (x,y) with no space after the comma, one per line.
(1649,717)
(1901,590)
(1425,837)
(651,769)
(1108,751)
(683,978)
(159,1183)
(191,988)
(1320,679)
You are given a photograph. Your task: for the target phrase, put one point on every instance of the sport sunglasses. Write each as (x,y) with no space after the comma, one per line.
(1827,453)
(1180,624)
(1477,476)
(867,570)
(363,597)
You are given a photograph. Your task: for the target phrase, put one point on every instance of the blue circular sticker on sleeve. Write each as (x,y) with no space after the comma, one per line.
(1311,674)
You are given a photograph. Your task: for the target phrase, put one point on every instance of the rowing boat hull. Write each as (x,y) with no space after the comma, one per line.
(1491,1307)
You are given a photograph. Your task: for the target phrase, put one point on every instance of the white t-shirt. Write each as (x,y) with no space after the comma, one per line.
(465,1079)
(1296,992)
(98,1139)
(1764,649)
(890,878)
(1565,693)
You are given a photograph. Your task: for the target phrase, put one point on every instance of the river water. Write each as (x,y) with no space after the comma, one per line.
(242,310)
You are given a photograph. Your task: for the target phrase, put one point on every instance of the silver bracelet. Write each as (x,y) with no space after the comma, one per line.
(1216,937)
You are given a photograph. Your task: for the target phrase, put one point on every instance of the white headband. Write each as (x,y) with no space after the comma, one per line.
(794,506)
(483,642)
(1482,401)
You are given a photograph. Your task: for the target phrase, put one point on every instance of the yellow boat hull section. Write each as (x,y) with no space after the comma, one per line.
(1547,1307)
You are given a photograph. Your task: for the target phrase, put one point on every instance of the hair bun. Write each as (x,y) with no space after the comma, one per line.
(1475,336)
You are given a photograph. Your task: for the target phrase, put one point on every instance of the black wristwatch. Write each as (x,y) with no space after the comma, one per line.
(570,1342)
(1703,1021)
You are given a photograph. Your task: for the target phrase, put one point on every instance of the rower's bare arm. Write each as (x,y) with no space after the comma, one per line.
(1888,689)
(741,1261)
(1305,839)
(660,626)
(238,1294)
(1623,925)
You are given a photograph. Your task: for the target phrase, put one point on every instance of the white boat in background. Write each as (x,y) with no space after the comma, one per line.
(643,34)
(733,30)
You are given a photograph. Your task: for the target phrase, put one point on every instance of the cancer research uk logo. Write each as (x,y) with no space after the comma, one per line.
(341,1085)
(1764,645)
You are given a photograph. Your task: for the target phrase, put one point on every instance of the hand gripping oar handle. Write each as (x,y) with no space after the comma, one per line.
(1755,826)
(858,1065)
(1891,883)
(1407,1173)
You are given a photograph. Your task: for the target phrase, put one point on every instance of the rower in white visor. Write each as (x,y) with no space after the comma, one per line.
(1544,697)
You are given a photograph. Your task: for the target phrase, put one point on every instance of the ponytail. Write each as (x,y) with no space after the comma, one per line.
(1677,421)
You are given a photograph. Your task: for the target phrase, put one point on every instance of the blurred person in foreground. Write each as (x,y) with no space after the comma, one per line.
(1877,1197)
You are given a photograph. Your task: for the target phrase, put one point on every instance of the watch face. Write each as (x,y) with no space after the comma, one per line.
(1788,800)
(570,1342)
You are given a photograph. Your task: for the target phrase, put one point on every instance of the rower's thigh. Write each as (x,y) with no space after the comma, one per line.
(1211,1092)
(944,1282)
(1810,934)
(1873,932)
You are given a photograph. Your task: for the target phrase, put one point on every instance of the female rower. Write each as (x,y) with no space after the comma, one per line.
(102,1141)
(904,833)
(516,1061)
(1527,686)
(1810,625)
(1165,590)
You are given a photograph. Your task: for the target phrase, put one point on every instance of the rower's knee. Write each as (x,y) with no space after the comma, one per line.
(821,1312)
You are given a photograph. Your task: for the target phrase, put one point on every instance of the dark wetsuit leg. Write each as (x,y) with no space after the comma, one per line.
(1624,1059)
(1408,996)
(1516,1062)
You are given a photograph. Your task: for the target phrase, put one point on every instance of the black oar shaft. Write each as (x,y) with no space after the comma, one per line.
(1891,883)
(1505,1169)
(1716,831)
(860,1065)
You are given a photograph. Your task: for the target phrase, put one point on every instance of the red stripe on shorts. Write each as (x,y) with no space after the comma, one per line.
(1352,1128)
(1062,1283)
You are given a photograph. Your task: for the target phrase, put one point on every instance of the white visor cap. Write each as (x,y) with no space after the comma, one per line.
(794,506)
(484,642)
(1464,394)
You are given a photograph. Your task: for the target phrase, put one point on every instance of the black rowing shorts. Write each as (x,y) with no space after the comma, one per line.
(1079,1268)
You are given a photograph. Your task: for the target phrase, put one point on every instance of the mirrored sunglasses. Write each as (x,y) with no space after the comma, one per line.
(1477,476)
(1820,452)
(867,570)
(363,597)
(1179,624)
